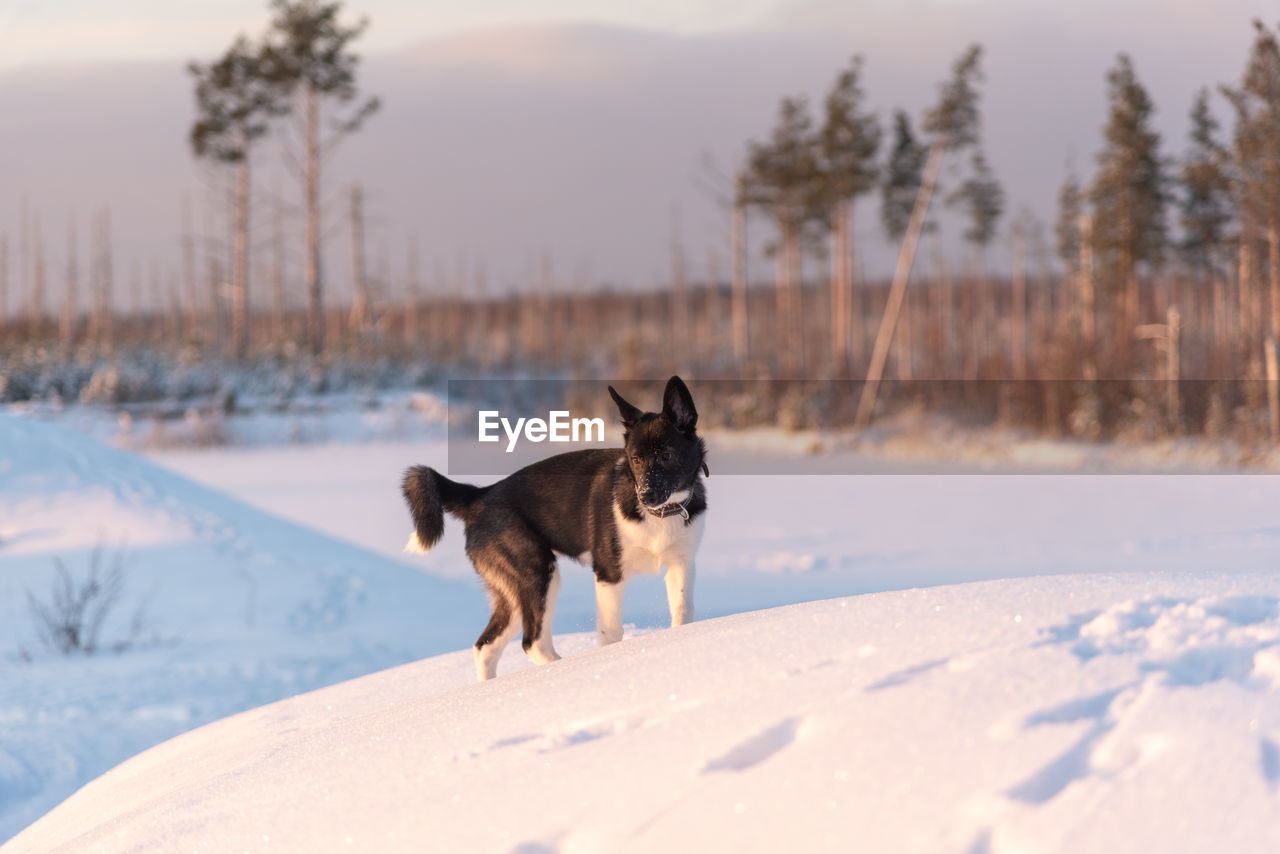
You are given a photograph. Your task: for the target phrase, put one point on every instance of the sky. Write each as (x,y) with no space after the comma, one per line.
(574,132)
(55,31)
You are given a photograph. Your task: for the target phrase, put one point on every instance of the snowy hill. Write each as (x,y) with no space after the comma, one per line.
(1127,700)
(221,608)
(1076,713)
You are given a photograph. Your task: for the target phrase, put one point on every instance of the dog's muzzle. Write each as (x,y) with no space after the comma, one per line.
(670,509)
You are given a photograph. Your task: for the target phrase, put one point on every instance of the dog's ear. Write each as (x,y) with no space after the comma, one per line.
(677,405)
(630,414)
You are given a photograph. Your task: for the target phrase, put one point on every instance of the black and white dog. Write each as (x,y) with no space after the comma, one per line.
(623,511)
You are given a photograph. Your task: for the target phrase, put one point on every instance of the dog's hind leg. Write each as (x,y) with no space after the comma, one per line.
(495,637)
(609,610)
(541,649)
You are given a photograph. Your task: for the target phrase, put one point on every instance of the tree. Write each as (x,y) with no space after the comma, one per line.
(902,177)
(1205,204)
(983,201)
(234,103)
(848,142)
(954,122)
(1257,156)
(783,179)
(309,61)
(1067,228)
(1129,191)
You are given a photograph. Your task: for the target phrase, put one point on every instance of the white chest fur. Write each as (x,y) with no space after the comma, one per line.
(653,542)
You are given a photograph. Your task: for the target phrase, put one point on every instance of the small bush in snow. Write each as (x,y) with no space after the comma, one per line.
(72,619)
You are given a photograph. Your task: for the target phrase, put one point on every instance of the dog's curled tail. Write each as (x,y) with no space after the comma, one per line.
(430,495)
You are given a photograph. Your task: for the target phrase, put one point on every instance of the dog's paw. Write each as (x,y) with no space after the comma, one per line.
(415,546)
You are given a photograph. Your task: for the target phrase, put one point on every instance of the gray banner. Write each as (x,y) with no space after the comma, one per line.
(926,426)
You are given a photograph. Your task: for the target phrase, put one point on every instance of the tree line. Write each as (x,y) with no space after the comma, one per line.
(1170,266)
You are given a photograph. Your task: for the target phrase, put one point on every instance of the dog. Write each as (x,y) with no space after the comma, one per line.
(622,511)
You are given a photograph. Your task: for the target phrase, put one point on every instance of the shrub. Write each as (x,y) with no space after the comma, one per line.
(72,619)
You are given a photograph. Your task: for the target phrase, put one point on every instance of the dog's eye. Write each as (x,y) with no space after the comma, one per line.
(635,458)
(666,456)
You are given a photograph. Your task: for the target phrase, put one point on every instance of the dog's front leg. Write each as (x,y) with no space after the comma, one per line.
(680,592)
(609,610)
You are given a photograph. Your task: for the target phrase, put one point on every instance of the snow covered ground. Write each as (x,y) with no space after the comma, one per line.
(775,539)
(1079,713)
(222,607)
(1129,701)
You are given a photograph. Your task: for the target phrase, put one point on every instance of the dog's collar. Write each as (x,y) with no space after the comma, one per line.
(681,507)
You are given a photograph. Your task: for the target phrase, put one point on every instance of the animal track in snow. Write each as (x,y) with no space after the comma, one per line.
(1176,643)
(512,741)
(1069,766)
(1190,641)
(581,731)
(902,677)
(757,748)
(578,733)
(1269,758)
(1085,708)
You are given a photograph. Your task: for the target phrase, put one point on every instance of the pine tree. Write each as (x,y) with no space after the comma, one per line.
(1067,227)
(783,179)
(234,104)
(902,177)
(954,124)
(983,201)
(1129,190)
(309,60)
(1205,204)
(849,138)
(847,145)
(1257,155)
(955,121)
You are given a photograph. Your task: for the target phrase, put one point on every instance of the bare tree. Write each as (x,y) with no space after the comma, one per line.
(738,262)
(103,275)
(37,307)
(70,300)
(360,305)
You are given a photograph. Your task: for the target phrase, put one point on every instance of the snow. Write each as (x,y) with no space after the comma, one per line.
(224,608)
(1078,713)
(974,663)
(775,539)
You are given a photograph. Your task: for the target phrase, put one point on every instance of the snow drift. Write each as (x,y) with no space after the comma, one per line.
(1077,713)
(223,608)
(1133,708)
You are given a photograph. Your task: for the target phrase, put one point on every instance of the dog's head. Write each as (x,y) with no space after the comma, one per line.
(664,453)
